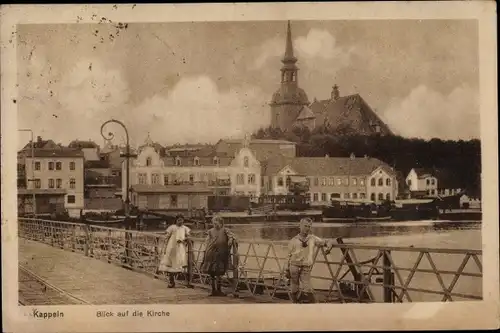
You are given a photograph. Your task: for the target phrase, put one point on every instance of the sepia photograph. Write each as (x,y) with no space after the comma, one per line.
(259,161)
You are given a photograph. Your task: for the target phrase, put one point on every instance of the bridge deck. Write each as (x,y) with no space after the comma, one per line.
(73,278)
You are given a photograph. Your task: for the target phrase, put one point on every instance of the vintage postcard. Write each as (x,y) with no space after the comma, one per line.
(243,167)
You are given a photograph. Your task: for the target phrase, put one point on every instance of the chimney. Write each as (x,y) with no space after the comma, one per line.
(335,93)
(39,139)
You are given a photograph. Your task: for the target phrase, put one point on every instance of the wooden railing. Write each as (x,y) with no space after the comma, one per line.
(347,273)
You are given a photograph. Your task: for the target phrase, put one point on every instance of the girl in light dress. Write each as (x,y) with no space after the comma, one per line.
(175,256)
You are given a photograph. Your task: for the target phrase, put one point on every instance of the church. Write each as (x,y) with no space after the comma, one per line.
(290,106)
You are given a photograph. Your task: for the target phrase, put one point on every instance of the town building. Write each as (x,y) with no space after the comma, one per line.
(290,105)
(185,179)
(55,176)
(331,177)
(89,148)
(422,182)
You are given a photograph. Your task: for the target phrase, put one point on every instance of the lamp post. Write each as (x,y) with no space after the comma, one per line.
(32,167)
(127,155)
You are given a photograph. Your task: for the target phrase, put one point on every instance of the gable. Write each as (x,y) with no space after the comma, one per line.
(245,154)
(287,170)
(148,153)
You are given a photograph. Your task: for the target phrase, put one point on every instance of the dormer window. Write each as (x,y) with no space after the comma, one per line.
(178,161)
(148,161)
(245,162)
(216,160)
(196,161)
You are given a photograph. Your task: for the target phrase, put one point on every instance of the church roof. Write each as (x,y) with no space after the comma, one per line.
(305,113)
(350,110)
(290,94)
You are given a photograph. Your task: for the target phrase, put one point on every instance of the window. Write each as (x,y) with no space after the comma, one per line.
(362,195)
(362,182)
(323,181)
(173,200)
(51,183)
(280,181)
(428,192)
(323,196)
(408,182)
(381,182)
(347,195)
(354,195)
(388,182)
(331,181)
(38,183)
(433,181)
(51,165)
(372,182)
(71,199)
(354,181)
(288,181)
(315,196)
(148,161)
(177,161)
(372,197)
(196,161)
(58,165)
(72,165)
(388,196)
(251,179)
(155,179)
(59,183)
(245,162)
(381,196)
(141,178)
(216,160)
(165,179)
(428,181)
(346,181)
(240,179)
(37,166)
(72,183)
(335,195)
(316,181)
(191,178)
(339,181)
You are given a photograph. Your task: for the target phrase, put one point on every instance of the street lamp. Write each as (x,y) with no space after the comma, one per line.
(127,155)
(32,167)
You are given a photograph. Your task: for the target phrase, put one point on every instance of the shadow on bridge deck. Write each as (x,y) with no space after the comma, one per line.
(53,276)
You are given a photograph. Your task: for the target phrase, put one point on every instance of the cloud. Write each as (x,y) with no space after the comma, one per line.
(427,114)
(195,110)
(317,50)
(73,104)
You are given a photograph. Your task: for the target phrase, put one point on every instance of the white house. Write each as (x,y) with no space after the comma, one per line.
(423,180)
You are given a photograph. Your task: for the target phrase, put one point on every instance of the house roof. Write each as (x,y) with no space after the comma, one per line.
(41,144)
(349,110)
(41,191)
(182,188)
(57,152)
(77,144)
(257,141)
(425,172)
(325,166)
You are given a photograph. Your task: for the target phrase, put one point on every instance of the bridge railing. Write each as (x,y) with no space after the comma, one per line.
(341,273)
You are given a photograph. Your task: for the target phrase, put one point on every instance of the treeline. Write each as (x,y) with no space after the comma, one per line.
(460,158)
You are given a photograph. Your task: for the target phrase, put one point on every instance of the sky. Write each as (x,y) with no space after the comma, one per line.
(202,81)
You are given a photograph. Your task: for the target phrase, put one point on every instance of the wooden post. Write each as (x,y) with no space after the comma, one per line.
(86,245)
(388,278)
(73,237)
(236,264)
(190,263)
(352,268)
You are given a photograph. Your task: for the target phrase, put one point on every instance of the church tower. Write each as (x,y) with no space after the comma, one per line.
(289,99)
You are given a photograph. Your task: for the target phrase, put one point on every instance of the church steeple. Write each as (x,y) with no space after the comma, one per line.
(289,57)
(289,69)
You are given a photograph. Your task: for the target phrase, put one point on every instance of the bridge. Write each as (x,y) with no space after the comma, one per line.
(75,263)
